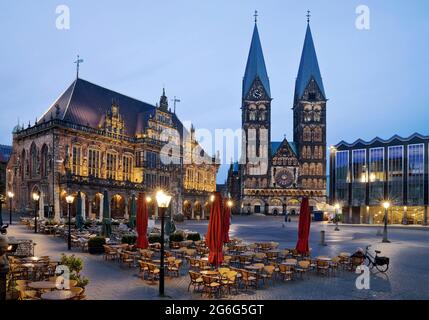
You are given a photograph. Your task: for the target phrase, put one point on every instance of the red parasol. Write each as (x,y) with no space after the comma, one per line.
(304,227)
(226,221)
(142,222)
(214,235)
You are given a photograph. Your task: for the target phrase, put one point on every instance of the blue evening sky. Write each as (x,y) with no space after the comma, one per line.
(376,80)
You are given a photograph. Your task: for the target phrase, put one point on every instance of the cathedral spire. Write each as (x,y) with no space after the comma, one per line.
(255,67)
(308,67)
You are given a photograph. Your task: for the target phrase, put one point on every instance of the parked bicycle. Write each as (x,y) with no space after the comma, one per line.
(380,263)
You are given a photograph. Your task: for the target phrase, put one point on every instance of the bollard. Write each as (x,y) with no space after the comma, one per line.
(322,238)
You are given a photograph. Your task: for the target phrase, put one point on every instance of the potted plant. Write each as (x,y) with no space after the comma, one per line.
(95,245)
(154,238)
(194,236)
(129,239)
(75,266)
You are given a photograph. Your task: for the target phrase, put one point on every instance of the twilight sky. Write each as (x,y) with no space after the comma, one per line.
(376,80)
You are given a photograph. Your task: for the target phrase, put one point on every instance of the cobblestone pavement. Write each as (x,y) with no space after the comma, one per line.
(407,277)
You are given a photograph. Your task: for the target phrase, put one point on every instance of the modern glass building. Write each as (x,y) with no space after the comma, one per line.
(364,175)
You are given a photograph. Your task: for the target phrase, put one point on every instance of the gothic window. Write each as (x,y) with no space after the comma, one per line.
(127,168)
(304,152)
(139,158)
(112,163)
(76,160)
(307,134)
(319,170)
(307,116)
(94,163)
(23,168)
(44,161)
(317,135)
(252,115)
(305,169)
(312,169)
(33,160)
(317,115)
(262,115)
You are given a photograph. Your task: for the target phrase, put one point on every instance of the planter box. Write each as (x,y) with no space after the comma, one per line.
(95,250)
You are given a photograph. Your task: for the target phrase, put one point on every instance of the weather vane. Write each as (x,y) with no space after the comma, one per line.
(308,16)
(256,16)
(78,62)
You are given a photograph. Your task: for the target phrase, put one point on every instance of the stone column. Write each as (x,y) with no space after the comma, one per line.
(101,206)
(89,208)
(203,211)
(350,214)
(425,217)
(41,205)
(83,205)
(126,214)
(192,212)
(57,213)
(404,216)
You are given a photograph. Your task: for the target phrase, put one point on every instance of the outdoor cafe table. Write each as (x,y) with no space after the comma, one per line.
(43,285)
(209,273)
(58,295)
(254,268)
(327,259)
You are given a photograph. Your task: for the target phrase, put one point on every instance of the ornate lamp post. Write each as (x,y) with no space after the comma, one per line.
(163,201)
(386,206)
(337,207)
(36,197)
(10,195)
(69,200)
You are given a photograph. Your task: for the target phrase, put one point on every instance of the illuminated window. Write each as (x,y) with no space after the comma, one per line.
(94,163)
(76,160)
(127,168)
(111,166)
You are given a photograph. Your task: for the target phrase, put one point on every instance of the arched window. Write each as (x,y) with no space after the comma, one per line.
(319,170)
(317,134)
(312,169)
(33,161)
(307,134)
(44,161)
(305,169)
(23,164)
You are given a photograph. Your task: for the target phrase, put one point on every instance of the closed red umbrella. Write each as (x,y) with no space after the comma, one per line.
(304,227)
(214,239)
(142,222)
(226,221)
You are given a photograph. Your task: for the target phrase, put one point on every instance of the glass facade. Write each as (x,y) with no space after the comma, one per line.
(416,178)
(370,173)
(342,176)
(376,175)
(395,174)
(359,176)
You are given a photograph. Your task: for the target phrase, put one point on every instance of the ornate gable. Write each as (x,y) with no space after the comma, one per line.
(285,155)
(257,92)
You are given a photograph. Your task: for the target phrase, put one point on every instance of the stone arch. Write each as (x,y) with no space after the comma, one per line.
(117,206)
(187,208)
(96,208)
(257,206)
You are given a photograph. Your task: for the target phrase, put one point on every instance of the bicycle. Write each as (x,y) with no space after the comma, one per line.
(380,263)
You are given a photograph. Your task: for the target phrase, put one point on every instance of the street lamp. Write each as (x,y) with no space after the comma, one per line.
(229,203)
(69,200)
(10,195)
(36,197)
(337,207)
(163,201)
(386,206)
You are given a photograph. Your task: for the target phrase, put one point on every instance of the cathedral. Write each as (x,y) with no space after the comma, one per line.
(273,176)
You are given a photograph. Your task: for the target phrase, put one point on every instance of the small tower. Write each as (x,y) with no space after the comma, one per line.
(256,117)
(309,113)
(163,102)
